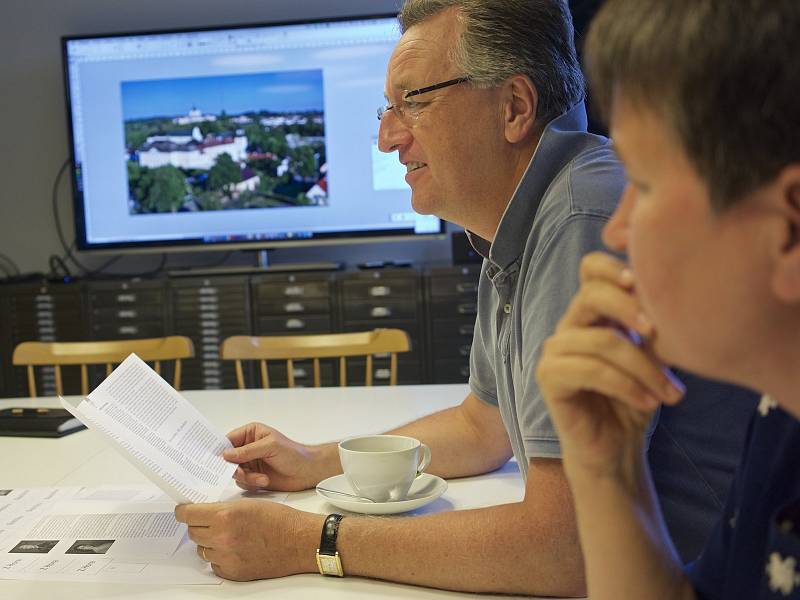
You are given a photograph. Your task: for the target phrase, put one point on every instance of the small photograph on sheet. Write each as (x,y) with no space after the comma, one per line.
(33,547)
(89,547)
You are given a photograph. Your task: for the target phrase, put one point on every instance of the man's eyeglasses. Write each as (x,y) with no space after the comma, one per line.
(410,108)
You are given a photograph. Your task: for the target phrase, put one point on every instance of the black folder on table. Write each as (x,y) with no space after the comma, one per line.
(38,422)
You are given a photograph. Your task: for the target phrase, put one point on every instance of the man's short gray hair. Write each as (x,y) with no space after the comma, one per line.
(501,38)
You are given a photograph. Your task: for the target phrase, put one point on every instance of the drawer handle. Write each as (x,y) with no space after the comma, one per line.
(383,373)
(467,330)
(383,355)
(295,324)
(467,287)
(127,314)
(126,297)
(464,371)
(380,291)
(300,372)
(467,309)
(381,312)
(128,330)
(464,350)
(294,307)
(293,290)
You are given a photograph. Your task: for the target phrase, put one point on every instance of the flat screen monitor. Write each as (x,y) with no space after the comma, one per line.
(251,136)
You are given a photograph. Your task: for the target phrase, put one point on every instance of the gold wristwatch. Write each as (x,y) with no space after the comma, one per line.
(328,560)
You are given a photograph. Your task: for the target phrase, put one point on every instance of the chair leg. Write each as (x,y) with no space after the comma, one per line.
(84,380)
(59,387)
(264,375)
(317,379)
(31,382)
(342,371)
(239,375)
(290,372)
(177,378)
(393,369)
(368,377)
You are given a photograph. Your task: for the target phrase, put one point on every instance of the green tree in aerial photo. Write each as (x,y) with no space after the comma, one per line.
(224,174)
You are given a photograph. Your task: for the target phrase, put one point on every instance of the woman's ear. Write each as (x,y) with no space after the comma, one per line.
(786,276)
(519,108)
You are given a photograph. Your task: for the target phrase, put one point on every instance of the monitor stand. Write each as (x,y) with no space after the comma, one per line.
(262,266)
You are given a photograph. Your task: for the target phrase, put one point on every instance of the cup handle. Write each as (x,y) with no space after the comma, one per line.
(426,459)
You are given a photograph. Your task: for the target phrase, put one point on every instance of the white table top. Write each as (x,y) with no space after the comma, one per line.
(306,415)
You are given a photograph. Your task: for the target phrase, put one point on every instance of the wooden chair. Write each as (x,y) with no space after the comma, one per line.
(108,352)
(330,345)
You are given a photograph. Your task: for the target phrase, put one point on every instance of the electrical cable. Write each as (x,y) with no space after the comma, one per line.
(10,262)
(60,262)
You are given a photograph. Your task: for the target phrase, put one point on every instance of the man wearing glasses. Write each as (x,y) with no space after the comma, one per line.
(485,109)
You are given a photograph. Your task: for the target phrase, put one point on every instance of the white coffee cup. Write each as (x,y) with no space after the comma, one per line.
(383,467)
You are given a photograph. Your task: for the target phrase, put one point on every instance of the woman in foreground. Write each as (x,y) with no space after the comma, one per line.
(703,100)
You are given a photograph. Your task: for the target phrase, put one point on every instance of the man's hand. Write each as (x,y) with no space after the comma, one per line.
(267,459)
(601,387)
(249,539)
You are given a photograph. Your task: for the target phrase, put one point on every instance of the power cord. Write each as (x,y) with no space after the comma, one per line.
(60,262)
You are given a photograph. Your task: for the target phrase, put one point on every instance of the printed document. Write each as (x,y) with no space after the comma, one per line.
(124,534)
(158,431)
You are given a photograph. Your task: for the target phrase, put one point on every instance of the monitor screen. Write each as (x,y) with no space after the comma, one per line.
(257,135)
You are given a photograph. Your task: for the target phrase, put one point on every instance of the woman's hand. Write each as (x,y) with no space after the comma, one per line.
(601,384)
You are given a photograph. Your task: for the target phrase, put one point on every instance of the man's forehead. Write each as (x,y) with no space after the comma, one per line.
(414,59)
(423,50)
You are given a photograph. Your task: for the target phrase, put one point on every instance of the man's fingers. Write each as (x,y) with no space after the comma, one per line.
(251,480)
(253,451)
(247,434)
(196,514)
(201,536)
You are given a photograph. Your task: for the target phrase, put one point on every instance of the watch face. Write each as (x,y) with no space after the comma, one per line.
(329,565)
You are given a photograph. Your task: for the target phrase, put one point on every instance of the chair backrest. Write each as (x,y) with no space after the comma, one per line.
(330,345)
(107,352)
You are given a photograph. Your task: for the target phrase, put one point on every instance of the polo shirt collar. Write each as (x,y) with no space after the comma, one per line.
(558,144)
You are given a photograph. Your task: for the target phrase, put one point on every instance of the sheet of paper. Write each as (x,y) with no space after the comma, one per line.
(158,431)
(125,534)
(183,567)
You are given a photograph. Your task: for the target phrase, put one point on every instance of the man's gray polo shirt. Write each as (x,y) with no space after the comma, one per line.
(530,273)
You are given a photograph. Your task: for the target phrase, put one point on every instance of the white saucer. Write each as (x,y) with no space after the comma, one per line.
(425,489)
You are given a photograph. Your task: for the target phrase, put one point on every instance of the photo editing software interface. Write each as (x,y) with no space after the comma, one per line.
(247,135)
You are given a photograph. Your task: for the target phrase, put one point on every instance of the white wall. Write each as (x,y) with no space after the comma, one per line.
(33,126)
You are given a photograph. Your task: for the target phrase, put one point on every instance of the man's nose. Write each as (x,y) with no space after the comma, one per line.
(392,133)
(616,233)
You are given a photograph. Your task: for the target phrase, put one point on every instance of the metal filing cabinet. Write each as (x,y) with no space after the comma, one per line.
(209,309)
(384,298)
(294,304)
(452,302)
(131,309)
(45,312)
(126,309)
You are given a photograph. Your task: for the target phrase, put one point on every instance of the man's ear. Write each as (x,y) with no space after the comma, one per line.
(520,101)
(786,276)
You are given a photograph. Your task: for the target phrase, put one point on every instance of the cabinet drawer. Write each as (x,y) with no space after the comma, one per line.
(379,311)
(295,324)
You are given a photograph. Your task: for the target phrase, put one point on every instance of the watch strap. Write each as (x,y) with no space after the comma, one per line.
(330,531)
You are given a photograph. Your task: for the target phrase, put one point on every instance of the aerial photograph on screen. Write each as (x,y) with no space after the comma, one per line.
(225,142)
